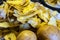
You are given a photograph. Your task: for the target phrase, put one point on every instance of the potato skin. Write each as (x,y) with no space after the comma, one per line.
(48,33)
(27,35)
(10,36)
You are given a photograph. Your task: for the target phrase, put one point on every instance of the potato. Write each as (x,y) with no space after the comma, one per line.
(27,35)
(48,33)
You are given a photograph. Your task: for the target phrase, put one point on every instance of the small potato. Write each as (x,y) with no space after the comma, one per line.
(27,35)
(48,33)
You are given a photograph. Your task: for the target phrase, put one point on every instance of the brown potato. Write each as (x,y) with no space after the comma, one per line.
(27,35)
(48,33)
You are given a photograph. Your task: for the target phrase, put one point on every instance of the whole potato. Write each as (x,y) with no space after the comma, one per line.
(27,35)
(48,33)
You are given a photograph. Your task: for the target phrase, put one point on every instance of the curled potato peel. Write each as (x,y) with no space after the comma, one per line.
(10,36)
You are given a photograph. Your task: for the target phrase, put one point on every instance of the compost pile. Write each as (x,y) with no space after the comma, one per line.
(27,20)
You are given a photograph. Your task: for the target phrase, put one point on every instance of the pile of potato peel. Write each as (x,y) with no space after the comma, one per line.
(53,2)
(27,20)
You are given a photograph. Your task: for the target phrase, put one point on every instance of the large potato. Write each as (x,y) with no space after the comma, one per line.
(26,35)
(48,33)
